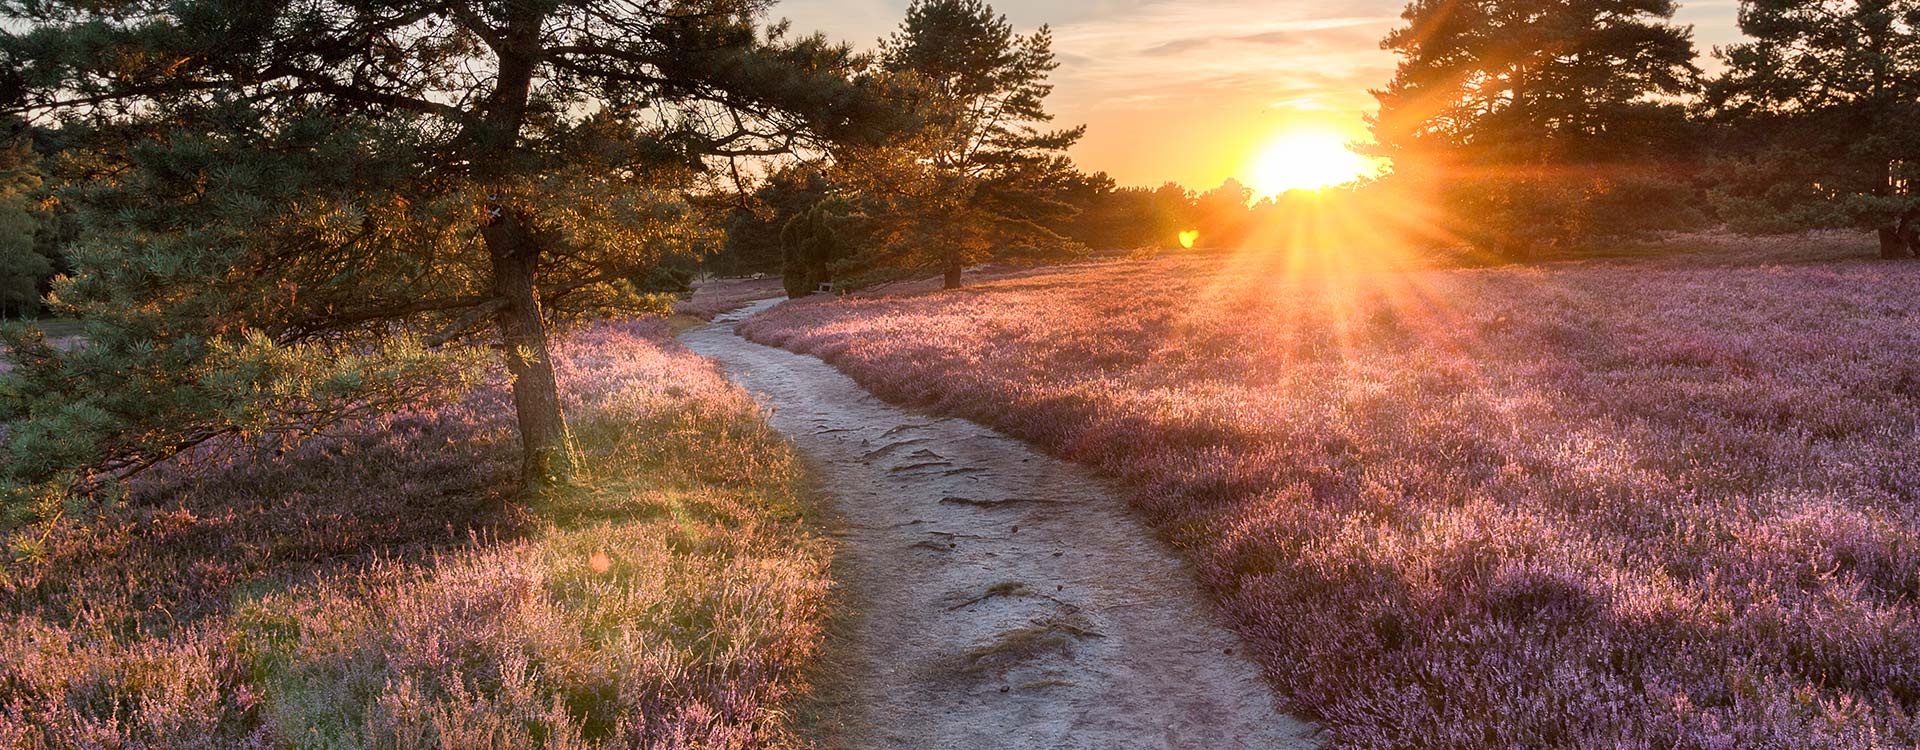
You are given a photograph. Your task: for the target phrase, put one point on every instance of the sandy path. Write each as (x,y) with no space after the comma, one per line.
(1006,599)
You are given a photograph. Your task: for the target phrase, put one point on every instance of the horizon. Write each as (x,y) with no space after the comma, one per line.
(1199,92)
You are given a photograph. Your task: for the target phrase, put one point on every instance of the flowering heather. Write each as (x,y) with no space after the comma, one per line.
(379,589)
(1633,504)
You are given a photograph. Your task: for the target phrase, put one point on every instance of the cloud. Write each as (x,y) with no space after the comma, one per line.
(1234,52)
(1334,34)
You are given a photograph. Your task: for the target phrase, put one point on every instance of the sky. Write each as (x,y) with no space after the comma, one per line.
(1192,91)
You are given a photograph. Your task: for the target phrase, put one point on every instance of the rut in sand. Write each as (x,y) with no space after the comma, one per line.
(1005,599)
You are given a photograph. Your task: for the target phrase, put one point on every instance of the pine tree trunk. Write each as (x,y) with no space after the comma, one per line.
(1892,245)
(1908,233)
(547,455)
(952,278)
(546,446)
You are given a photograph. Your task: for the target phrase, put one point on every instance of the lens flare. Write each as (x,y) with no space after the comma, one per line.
(1188,237)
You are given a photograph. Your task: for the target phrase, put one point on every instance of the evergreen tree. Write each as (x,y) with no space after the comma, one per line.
(974,174)
(1820,105)
(1221,215)
(267,187)
(1519,112)
(753,241)
(811,246)
(24,266)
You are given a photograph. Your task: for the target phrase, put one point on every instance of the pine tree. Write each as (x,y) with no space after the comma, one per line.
(260,180)
(753,227)
(1518,112)
(1819,106)
(24,265)
(974,174)
(811,246)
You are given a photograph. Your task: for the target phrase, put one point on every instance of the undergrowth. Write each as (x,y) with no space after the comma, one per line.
(380,589)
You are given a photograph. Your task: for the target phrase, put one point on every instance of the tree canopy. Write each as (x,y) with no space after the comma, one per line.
(1526,121)
(974,174)
(24,262)
(1818,105)
(333,200)
(1527,81)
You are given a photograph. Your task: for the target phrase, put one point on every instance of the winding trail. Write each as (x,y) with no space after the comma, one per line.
(1005,599)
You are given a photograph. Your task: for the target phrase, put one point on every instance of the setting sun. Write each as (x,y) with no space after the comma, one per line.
(1307,160)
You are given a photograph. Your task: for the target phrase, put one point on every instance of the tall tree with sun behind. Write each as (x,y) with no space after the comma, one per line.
(975,175)
(1820,102)
(290,205)
(1525,117)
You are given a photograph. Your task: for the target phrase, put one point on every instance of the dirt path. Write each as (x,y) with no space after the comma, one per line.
(1007,599)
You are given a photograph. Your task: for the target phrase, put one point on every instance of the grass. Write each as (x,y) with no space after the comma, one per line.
(377,589)
(1644,503)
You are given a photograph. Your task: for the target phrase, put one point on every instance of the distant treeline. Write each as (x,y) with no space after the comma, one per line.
(1515,128)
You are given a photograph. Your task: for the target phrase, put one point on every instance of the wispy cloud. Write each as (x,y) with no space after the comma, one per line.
(1162,50)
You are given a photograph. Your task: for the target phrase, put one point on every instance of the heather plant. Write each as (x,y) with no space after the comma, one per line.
(1665,503)
(373,587)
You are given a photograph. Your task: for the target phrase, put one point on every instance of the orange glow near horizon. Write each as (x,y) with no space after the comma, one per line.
(1307,159)
(1188,237)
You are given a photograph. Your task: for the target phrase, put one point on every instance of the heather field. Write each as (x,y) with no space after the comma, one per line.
(1630,504)
(378,588)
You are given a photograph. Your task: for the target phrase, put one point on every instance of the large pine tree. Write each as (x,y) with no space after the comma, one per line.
(1519,81)
(975,174)
(1820,105)
(1521,110)
(272,189)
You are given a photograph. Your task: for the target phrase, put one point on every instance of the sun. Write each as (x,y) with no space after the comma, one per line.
(1307,160)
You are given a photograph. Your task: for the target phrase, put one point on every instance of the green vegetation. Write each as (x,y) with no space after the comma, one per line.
(977,176)
(27,259)
(1824,96)
(811,247)
(1534,125)
(293,464)
(754,226)
(369,590)
(406,183)
(971,178)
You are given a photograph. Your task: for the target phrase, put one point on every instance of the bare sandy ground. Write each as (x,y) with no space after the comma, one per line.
(1004,599)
